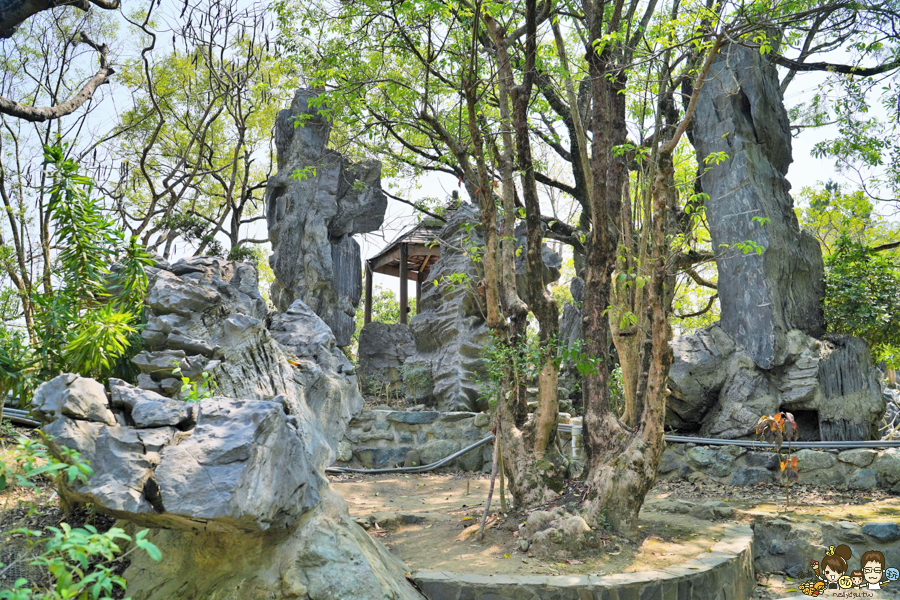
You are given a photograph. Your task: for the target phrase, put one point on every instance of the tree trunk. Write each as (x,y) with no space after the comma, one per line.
(534,467)
(622,471)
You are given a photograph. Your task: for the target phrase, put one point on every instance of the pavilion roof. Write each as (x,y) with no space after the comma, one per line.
(422,248)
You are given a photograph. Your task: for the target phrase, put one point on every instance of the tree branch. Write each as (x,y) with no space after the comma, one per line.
(883,247)
(41,114)
(835,67)
(693,274)
(709,305)
(414,205)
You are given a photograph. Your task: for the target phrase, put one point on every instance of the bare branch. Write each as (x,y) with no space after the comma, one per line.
(709,305)
(41,114)
(414,205)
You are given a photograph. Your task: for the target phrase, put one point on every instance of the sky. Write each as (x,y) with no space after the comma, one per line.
(806,170)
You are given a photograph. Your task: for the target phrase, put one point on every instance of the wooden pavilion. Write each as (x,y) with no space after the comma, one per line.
(410,256)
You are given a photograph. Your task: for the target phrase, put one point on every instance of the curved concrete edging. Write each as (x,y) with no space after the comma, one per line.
(725,573)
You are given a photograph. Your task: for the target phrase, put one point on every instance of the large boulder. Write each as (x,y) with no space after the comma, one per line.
(311,218)
(740,118)
(233,488)
(206,314)
(449,330)
(830,385)
(383,350)
(218,465)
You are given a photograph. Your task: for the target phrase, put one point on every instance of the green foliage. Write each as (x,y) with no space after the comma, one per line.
(194,230)
(89,325)
(829,213)
(519,364)
(16,367)
(33,459)
(195,391)
(78,559)
(863,296)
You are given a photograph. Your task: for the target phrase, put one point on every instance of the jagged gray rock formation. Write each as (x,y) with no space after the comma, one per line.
(449,329)
(383,349)
(767,353)
(216,465)
(717,389)
(551,259)
(763,297)
(311,218)
(445,365)
(234,490)
(207,314)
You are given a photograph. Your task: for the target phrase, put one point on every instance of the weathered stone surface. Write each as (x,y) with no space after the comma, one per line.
(861,457)
(763,297)
(324,379)
(449,329)
(246,465)
(311,219)
(846,373)
(887,466)
(812,460)
(414,417)
(377,437)
(383,350)
(883,532)
(238,497)
(864,479)
(716,386)
(72,396)
(552,262)
(696,375)
(751,477)
(326,555)
(437,450)
(731,465)
(291,355)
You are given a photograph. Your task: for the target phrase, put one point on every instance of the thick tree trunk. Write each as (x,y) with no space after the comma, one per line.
(534,467)
(622,471)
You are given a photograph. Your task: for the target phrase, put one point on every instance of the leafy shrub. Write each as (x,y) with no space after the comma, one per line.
(863,296)
(89,324)
(78,559)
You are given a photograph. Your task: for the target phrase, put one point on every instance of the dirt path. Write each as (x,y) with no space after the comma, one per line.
(430,522)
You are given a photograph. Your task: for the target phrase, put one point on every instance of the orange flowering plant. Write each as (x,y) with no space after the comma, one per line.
(778,429)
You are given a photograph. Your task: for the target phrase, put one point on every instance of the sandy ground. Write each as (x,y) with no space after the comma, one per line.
(429,521)
(448,508)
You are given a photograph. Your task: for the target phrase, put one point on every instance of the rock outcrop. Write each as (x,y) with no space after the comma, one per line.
(234,489)
(717,389)
(217,465)
(206,314)
(314,204)
(763,296)
(383,350)
(449,330)
(445,365)
(768,352)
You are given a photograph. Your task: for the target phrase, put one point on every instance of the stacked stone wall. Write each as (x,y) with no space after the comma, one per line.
(861,468)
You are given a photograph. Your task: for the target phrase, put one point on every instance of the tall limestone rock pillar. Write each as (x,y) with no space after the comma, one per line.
(314,204)
(740,113)
(769,352)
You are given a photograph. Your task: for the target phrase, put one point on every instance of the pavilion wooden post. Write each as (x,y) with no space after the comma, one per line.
(368,306)
(404,292)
